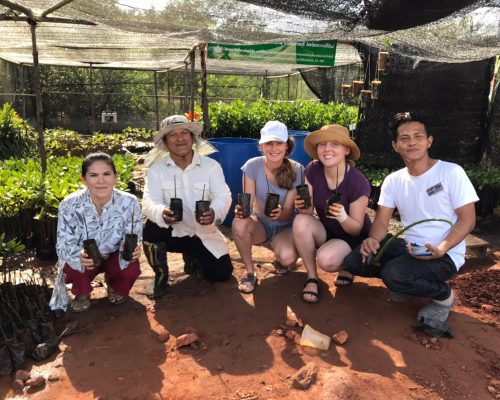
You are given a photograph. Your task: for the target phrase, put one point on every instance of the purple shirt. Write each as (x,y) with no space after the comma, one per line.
(352,188)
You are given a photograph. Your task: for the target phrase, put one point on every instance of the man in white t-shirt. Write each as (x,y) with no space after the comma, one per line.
(425,189)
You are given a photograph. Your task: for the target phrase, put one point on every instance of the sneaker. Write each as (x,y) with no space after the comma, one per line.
(436,311)
(397,297)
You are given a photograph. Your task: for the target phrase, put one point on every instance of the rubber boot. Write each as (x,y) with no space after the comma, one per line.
(191,265)
(156,254)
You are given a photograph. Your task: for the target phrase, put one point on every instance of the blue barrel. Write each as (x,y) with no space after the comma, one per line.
(232,153)
(298,153)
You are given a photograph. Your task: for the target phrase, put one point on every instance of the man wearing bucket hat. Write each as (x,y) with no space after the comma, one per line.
(340,195)
(186,175)
(272,173)
(425,189)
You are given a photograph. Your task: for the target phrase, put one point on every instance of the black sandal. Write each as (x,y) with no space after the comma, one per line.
(314,294)
(344,278)
(250,280)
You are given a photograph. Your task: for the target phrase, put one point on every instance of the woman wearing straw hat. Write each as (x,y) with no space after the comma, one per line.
(271,173)
(340,226)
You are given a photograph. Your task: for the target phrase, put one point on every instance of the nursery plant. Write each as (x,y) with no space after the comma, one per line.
(372,262)
(15,134)
(241,119)
(26,323)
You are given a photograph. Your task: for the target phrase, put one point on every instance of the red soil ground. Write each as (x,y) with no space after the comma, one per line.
(116,354)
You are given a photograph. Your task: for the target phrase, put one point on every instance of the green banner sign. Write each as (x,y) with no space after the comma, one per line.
(320,53)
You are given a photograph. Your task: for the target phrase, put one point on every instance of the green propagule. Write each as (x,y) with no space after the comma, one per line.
(373,259)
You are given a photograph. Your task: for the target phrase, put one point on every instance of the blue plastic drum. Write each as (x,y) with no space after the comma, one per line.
(298,153)
(232,153)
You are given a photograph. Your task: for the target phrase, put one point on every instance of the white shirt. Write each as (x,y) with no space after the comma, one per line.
(202,178)
(437,193)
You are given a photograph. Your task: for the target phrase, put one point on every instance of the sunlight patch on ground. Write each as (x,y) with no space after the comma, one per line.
(395,355)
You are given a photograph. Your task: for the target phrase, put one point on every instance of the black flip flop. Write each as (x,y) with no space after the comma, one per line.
(315,294)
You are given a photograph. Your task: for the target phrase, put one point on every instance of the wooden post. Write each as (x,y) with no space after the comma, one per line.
(204,95)
(169,94)
(288,87)
(266,87)
(156,102)
(192,60)
(92,111)
(185,106)
(38,95)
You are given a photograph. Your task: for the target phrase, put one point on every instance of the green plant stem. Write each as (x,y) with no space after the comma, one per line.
(393,238)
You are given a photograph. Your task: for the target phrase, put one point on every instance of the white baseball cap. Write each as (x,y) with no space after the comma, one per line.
(273,131)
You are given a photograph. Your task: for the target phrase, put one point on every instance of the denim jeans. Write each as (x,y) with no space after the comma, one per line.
(403,273)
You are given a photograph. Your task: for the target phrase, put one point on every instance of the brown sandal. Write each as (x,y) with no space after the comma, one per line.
(279,269)
(115,298)
(80,304)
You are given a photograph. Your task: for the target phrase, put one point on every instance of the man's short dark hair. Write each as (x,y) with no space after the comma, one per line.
(403,118)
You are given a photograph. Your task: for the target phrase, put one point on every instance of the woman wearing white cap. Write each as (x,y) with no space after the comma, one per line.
(338,228)
(273,172)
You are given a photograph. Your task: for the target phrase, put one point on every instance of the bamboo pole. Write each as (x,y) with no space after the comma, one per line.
(38,94)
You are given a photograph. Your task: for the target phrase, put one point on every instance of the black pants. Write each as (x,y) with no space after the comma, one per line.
(404,274)
(215,269)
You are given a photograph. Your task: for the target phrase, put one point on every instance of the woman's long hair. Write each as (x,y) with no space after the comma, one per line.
(286,175)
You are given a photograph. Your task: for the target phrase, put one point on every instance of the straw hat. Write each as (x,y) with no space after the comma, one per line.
(331,133)
(174,123)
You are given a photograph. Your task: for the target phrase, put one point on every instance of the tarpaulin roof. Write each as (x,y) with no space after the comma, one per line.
(102,34)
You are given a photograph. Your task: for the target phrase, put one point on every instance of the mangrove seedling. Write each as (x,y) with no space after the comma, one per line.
(374,259)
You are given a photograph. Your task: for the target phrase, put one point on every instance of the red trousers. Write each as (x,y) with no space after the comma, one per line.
(120,281)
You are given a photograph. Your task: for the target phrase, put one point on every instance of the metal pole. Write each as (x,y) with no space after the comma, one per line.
(38,94)
(156,102)
(204,95)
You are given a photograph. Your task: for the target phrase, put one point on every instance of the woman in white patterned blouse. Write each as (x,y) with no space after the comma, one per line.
(105,214)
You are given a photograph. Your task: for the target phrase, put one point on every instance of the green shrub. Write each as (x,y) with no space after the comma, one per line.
(375,175)
(21,182)
(246,119)
(483,177)
(16,139)
(64,142)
